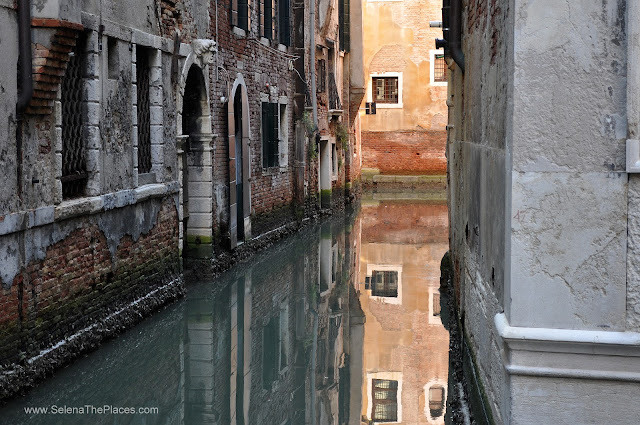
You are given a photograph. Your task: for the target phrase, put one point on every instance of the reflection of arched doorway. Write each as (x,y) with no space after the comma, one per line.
(239,140)
(194,136)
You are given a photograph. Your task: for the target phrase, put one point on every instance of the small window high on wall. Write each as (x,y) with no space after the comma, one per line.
(439,69)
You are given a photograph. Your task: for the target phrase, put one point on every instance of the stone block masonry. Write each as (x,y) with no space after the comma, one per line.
(405,152)
(124,260)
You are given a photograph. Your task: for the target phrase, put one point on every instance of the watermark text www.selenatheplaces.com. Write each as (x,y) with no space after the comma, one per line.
(89,409)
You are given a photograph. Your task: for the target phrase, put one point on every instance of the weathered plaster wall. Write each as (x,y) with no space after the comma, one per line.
(538,205)
(478,151)
(569,185)
(9,96)
(397,38)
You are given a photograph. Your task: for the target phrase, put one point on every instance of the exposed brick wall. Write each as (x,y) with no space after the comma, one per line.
(50,63)
(79,281)
(405,152)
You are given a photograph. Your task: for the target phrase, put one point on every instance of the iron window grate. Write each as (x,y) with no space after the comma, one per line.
(144,115)
(74,167)
(439,69)
(385,89)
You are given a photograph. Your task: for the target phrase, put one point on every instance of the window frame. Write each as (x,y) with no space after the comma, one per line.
(432,62)
(370,97)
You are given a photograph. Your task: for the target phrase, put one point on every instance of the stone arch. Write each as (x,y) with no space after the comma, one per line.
(239,174)
(194,140)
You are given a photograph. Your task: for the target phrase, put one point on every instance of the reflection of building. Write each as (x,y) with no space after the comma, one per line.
(406,347)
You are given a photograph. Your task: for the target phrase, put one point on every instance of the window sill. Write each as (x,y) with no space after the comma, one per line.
(239,32)
(388,105)
(439,83)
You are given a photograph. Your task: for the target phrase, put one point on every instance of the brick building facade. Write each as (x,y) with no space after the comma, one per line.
(175,130)
(406,79)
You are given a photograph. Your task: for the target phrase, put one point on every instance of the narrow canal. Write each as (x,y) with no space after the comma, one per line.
(340,323)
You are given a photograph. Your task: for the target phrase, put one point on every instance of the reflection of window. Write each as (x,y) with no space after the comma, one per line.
(436,304)
(284,337)
(384,284)
(436,401)
(385,89)
(385,400)
(270,347)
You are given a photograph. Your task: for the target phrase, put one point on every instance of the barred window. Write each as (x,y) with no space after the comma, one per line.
(270,139)
(385,400)
(74,167)
(144,113)
(384,284)
(439,69)
(385,89)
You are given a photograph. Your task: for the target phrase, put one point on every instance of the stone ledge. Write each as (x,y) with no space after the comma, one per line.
(565,353)
(23,220)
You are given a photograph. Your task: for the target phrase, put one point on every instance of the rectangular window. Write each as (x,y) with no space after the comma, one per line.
(113,58)
(321,76)
(384,284)
(284,24)
(436,304)
(240,14)
(268,21)
(270,139)
(385,400)
(439,69)
(385,89)
(143,81)
(436,401)
(344,25)
(270,351)
(74,167)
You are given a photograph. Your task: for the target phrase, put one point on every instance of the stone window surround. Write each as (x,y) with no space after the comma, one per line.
(373,75)
(92,99)
(432,61)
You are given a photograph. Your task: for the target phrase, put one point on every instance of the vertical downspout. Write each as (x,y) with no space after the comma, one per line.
(26,80)
(455,45)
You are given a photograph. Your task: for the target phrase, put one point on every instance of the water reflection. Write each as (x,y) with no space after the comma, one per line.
(338,326)
(405,346)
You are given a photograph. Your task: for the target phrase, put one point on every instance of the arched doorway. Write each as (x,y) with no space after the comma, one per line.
(239,169)
(196,185)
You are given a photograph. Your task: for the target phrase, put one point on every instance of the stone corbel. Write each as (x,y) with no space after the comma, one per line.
(204,51)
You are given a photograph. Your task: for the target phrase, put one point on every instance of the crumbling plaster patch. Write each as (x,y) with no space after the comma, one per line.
(553,213)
